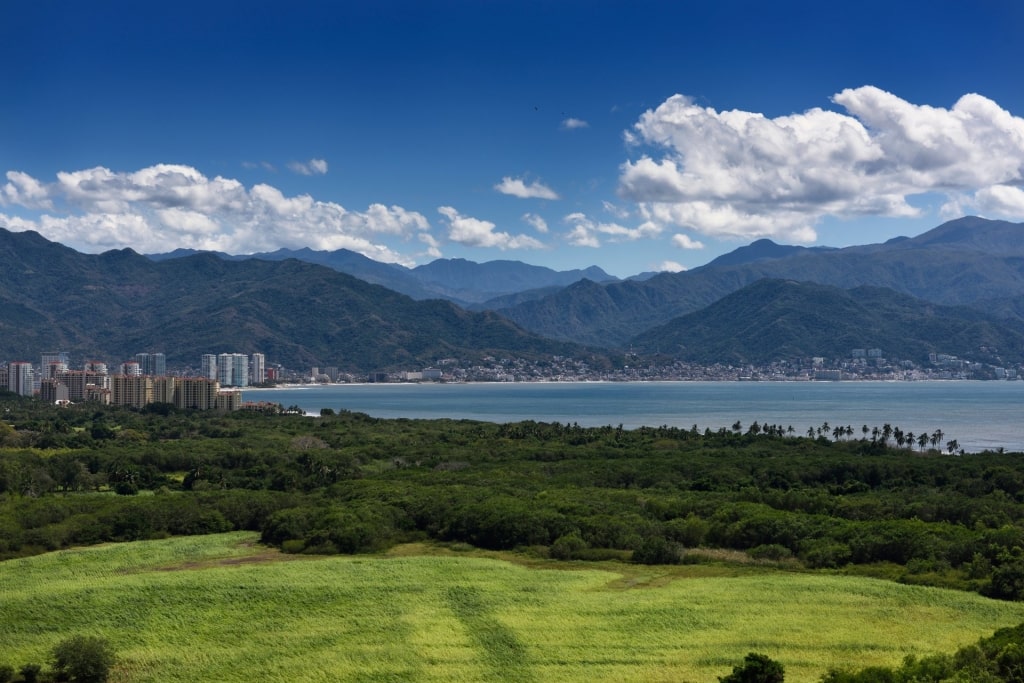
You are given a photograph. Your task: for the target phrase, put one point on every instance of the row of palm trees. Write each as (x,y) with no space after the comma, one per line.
(886,434)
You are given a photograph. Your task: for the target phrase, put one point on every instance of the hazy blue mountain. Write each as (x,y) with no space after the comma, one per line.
(464,282)
(970,261)
(760,250)
(115,304)
(784,319)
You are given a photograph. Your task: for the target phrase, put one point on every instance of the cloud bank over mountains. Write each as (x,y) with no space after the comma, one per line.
(741,174)
(167,206)
(695,171)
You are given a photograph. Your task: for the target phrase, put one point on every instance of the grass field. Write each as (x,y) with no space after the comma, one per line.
(222,608)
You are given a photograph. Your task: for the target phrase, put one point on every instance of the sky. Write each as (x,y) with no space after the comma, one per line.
(636,136)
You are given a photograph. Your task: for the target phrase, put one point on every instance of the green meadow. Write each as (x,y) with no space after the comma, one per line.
(224,608)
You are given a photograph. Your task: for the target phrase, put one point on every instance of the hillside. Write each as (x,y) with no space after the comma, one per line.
(784,319)
(970,261)
(115,304)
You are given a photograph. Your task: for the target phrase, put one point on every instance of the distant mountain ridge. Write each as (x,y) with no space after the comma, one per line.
(119,303)
(464,282)
(958,288)
(775,319)
(970,261)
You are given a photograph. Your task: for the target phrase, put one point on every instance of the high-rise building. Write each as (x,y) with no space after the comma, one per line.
(21,378)
(229,399)
(131,390)
(240,371)
(53,362)
(233,370)
(96,366)
(77,380)
(164,389)
(196,393)
(131,368)
(257,368)
(208,367)
(53,391)
(152,364)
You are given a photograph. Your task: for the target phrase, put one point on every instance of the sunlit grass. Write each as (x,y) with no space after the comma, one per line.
(221,608)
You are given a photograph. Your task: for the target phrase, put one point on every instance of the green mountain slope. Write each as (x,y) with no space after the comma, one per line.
(969,261)
(783,319)
(116,304)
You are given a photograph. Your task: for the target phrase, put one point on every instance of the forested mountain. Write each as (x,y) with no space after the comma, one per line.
(773,319)
(118,303)
(969,261)
(464,282)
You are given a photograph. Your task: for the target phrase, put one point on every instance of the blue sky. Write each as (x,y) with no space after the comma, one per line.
(634,136)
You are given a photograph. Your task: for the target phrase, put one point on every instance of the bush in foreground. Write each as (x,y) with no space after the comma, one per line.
(756,668)
(82,659)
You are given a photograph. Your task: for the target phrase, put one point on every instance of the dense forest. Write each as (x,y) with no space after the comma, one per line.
(864,499)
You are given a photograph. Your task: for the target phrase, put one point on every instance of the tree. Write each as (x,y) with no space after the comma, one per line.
(83,659)
(756,668)
(30,672)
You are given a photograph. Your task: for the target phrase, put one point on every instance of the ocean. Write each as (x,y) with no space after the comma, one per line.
(979,415)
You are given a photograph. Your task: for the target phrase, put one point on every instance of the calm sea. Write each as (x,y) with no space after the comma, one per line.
(980,415)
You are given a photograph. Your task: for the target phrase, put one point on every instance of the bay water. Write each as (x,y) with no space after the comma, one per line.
(979,415)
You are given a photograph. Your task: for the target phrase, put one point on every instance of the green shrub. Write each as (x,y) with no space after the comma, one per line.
(83,659)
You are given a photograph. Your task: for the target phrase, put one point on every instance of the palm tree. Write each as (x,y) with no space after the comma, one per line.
(922,440)
(952,446)
(937,437)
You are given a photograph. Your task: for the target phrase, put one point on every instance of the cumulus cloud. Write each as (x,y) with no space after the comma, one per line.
(473,232)
(311,167)
(24,190)
(518,188)
(166,206)
(538,223)
(574,124)
(741,174)
(589,233)
(670,267)
(686,242)
(433,246)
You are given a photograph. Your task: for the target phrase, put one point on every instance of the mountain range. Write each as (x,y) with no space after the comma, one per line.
(956,289)
(464,282)
(116,304)
(970,261)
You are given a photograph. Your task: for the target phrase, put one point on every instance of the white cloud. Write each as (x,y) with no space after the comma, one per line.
(615,210)
(538,223)
(311,167)
(670,267)
(686,242)
(24,190)
(579,236)
(1000,201)
(517,188)
(741,174)
(473,232)
(433,246)
(162,207)
(588,233)
(574,124)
